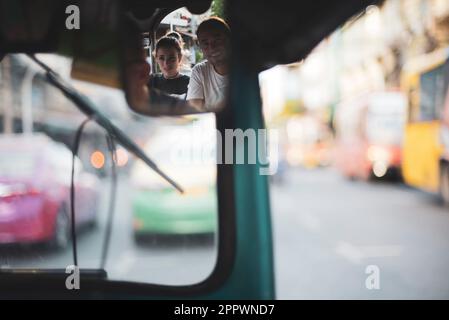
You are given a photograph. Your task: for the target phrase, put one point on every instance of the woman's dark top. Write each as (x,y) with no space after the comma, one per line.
(176,86)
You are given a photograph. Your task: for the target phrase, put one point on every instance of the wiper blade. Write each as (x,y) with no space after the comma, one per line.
(86,106)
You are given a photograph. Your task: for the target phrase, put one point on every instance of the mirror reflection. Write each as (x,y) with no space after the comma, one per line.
(182,70)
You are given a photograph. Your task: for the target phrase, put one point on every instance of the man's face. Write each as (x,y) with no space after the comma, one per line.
(215,45)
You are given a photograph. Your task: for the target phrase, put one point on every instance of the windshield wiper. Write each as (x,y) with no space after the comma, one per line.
(86,106)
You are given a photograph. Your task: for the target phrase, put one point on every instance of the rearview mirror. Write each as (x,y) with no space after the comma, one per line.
(172,62)
(180,68)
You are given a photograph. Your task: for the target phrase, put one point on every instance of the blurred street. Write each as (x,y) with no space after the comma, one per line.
(327,230)
(336,228)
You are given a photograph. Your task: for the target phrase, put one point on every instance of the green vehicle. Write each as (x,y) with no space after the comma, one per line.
(159,210)
(163,213)
(231,200)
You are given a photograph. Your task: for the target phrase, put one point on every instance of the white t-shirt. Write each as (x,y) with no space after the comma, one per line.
(205,83)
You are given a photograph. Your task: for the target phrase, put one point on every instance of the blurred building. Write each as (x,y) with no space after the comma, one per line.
(365,54)
(374,47)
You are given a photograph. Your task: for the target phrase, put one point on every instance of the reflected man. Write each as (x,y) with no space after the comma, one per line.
(209,80)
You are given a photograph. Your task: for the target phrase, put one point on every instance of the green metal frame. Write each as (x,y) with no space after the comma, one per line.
(252,276)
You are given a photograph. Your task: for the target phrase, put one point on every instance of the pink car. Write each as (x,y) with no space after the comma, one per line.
(35,176)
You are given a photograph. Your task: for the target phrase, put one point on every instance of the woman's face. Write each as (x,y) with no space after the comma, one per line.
(168,60)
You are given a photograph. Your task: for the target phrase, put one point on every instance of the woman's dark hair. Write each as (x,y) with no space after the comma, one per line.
(168,43)
(177,36)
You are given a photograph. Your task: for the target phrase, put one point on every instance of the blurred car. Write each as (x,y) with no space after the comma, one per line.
(370,132)
(158,209)
(35,176)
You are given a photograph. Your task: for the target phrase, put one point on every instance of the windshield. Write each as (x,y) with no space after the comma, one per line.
(154,228)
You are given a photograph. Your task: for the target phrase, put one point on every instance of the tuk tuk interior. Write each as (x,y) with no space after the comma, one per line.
(264,34)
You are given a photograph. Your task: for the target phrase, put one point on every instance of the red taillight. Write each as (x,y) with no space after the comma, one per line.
(33,192)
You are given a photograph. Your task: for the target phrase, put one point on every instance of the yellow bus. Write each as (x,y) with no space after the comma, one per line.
(425,164)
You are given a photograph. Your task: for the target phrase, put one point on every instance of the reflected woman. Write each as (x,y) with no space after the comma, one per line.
(168,55)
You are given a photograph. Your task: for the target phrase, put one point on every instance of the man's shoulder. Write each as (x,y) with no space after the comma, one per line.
(201,66)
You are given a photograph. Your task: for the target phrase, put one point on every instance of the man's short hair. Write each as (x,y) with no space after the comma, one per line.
(215,24)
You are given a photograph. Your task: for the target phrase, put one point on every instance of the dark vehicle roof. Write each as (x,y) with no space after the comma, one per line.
(282,31)
(269,32)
